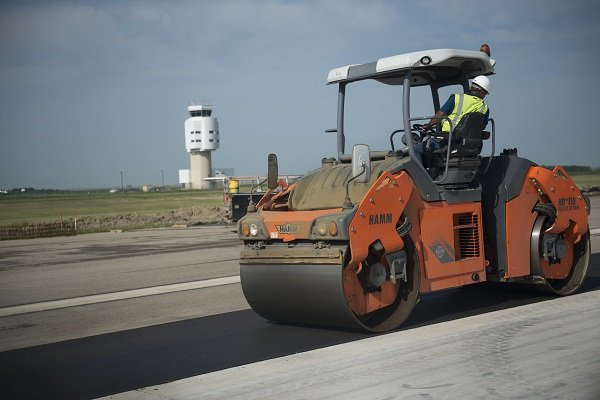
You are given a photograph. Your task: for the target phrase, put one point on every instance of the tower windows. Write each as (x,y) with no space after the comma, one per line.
(201,113)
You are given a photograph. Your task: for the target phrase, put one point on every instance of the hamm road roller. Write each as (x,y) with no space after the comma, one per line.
(354,243)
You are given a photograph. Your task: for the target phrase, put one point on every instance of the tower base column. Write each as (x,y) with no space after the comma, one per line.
(200,168)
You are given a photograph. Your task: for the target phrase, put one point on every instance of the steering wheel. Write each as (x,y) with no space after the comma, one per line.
(416,134)
(419,128)
(415,137)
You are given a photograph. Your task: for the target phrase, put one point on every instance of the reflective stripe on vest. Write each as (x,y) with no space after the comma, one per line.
(463,105)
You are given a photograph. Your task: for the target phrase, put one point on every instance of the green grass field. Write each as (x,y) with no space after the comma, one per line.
(33,208)
(589,180)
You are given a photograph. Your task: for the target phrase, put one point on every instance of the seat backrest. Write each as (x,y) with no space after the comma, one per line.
(467,137)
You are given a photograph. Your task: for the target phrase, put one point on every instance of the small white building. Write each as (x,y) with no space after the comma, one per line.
(184,179)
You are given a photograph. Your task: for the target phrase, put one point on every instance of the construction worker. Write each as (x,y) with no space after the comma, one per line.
(455,108)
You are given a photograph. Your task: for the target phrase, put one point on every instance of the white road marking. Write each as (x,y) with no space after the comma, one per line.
(595,231)
(127,294)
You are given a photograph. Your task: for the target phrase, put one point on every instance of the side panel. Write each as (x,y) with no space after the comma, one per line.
(452,240)
(566,197)
(543,186)
(520,218)
(377,215)
(501,183)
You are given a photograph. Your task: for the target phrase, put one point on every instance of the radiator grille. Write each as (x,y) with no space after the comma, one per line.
(466,234)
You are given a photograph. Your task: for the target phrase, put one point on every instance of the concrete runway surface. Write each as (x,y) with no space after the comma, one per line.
(547,350)
(160,314)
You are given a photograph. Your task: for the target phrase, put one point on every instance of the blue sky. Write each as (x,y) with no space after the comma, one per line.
(89,89)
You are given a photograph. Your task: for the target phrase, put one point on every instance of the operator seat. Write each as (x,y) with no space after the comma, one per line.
(467,142)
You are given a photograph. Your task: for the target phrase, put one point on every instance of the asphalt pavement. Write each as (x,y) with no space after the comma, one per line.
(159,314)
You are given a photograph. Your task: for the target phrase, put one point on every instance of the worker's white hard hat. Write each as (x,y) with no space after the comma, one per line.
(483,82)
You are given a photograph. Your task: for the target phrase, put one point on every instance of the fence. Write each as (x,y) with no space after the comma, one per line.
(30,231)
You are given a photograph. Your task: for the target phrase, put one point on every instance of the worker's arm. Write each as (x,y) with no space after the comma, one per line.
(445,110)
(437,118)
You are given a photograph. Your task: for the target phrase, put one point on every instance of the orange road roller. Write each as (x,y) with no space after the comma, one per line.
(354,243)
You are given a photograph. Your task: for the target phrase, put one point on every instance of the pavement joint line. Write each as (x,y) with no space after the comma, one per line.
(122,295)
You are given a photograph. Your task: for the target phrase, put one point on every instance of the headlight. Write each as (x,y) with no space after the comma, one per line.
(252,229)
(333,228)
(245,230)
(322,228)
(325,228)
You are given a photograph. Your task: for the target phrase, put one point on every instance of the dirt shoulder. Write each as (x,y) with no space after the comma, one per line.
(183,216)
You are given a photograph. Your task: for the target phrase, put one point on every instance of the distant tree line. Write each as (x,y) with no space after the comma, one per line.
(30,191)
(571,170)
(576,169)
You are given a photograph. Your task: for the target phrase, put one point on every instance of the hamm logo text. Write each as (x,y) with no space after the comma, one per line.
(383,218)
(288,228)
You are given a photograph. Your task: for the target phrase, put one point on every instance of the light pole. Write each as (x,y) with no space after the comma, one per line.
(122,187)
(162,175)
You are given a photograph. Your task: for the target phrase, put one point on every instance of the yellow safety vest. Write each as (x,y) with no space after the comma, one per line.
(463,104)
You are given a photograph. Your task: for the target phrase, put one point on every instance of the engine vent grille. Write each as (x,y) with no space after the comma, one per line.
(466,235)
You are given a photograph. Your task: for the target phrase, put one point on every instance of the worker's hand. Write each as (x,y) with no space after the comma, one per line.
(421,129)
(424,130)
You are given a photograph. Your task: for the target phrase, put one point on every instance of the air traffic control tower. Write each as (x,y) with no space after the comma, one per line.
(201,138)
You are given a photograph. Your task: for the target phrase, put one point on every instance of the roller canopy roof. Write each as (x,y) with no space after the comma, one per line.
(442,66)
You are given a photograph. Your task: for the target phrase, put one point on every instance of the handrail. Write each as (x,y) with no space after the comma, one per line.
(445,176)
(493,145)
(448,151)
(341,138)
(392,138)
